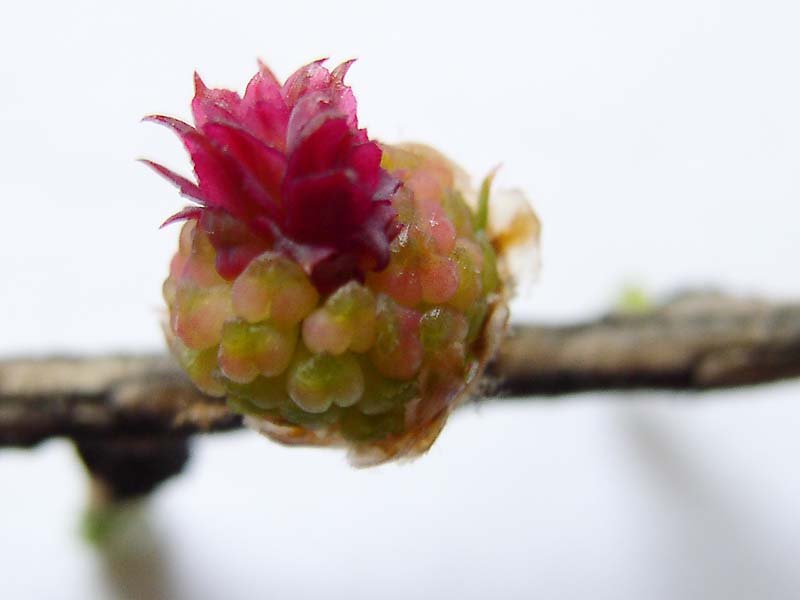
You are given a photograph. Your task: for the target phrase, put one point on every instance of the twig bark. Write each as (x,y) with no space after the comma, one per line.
(97,397)
(695,341)
(692,342)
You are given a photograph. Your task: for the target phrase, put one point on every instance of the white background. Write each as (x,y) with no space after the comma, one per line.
(660,143)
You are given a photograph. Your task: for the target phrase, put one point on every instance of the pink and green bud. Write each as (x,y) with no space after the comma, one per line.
(442,326)
(200,314)
(398,351)
(200,366)
(439,279)
(336,290)
(345,321)
(248,350)
(318,381)
(276,288)
(468,258)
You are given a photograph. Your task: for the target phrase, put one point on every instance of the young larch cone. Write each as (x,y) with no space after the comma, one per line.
(337,291)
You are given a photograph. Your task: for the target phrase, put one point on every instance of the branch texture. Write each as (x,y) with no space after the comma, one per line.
(693,342)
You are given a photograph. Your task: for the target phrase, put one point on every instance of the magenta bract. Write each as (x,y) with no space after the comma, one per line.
(286,167)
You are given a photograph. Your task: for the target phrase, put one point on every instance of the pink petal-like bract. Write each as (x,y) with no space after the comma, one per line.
(286,168)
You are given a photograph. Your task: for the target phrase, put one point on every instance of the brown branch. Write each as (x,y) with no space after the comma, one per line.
(130,416)
(90,397)
(692,342)
(695,341)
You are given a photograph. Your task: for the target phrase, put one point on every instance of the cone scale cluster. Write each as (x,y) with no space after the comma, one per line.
(335,290)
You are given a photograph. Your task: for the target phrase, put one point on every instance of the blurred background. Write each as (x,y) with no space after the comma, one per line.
(660,144)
